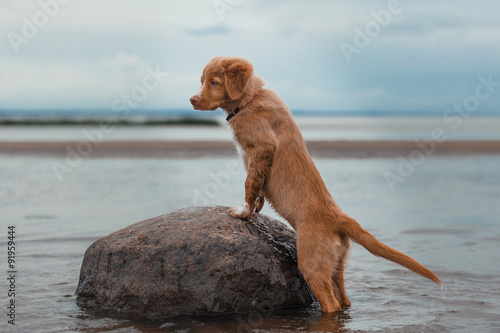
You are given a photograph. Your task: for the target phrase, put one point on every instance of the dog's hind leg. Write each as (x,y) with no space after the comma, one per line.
(318,262)
(338,278)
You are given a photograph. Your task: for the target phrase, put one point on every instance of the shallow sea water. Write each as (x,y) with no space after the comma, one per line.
(312,129)
(446,215)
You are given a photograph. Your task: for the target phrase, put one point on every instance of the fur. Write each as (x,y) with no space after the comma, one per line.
(280,170)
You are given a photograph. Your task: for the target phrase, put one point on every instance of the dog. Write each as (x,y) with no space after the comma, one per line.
(281,172)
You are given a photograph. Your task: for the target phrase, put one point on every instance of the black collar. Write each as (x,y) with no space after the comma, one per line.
(235,112)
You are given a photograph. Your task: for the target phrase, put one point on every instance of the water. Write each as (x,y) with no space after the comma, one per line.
(446,215)
(312,128)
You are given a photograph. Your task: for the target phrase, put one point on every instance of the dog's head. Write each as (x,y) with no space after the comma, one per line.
(223,83)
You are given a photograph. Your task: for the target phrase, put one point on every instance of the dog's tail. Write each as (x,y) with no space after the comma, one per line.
(353,230)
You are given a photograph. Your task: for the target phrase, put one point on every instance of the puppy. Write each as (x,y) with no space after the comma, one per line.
(280,170)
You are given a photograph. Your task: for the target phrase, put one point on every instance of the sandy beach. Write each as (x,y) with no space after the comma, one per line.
(183,149)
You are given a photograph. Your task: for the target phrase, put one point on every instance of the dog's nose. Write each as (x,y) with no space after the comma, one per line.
(194,100)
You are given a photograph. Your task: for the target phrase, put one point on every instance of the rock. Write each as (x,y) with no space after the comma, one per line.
(194,261)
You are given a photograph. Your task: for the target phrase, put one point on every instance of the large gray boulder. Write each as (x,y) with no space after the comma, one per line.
(194,261)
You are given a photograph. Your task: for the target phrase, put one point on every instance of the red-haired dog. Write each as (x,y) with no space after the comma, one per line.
(280,170)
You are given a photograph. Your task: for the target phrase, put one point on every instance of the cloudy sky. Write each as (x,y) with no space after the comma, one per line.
(319,55)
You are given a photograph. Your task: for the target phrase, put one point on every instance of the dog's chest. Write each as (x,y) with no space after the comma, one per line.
(239,148)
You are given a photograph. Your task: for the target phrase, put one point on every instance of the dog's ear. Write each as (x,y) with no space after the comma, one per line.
(237,74)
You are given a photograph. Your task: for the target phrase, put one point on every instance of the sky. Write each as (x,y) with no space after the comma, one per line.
(397,55)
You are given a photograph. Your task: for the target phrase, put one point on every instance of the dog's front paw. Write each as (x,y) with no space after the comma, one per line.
(242,212)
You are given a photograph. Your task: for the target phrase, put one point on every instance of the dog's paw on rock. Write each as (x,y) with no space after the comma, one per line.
(243,212)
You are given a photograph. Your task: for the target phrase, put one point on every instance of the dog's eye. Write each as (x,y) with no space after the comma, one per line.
(214,83)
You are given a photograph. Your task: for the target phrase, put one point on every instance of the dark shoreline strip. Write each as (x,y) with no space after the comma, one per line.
(158,149)
(181,149)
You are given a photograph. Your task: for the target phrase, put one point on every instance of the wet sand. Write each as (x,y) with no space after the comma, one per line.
(183,149)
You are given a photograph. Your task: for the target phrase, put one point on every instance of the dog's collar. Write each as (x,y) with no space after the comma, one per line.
(235,112)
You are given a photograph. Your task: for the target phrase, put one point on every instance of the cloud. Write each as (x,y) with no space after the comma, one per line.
(428,56)
(73,85)
(210,31)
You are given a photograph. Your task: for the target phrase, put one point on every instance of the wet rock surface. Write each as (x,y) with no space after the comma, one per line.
(193,261)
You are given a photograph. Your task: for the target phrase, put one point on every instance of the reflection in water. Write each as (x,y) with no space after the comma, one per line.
(308,319)
(331,322)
